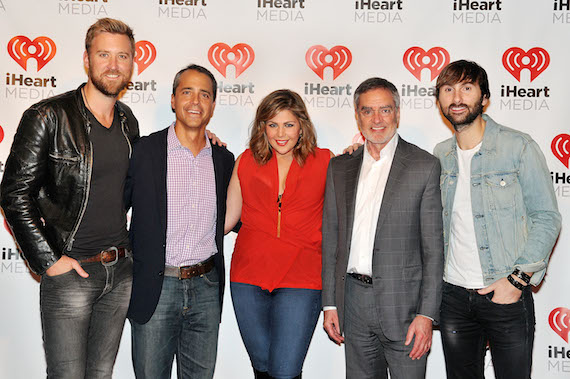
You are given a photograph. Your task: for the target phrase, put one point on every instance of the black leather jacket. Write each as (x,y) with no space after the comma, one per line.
(47,176)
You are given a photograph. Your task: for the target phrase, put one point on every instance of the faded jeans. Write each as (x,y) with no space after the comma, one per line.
(83,319)
(185,324)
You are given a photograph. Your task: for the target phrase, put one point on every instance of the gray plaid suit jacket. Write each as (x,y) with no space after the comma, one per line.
(407,261)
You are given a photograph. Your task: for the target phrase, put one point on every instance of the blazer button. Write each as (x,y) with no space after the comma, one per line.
(160,273)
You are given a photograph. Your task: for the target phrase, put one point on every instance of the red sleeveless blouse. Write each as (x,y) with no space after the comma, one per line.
(280,248)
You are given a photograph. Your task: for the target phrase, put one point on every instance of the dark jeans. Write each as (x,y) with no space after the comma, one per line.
(185,324)
(276,327)
(469,320)
(83,319)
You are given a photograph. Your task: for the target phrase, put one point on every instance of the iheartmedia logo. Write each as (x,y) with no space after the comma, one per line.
(1,134)
(21,48)
(536,60)
(241,56)
(417,59)
(142,91)
(319,57)
(561,149)
(559,320)
(145,54)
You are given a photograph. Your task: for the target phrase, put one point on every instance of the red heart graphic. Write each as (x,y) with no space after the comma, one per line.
(561,148)
(243,56)
(538,61)
(559,320)
(145,54)
(43,50)
(437,59)
(316,59)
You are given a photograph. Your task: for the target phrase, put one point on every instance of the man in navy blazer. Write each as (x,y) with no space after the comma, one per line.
(176,186)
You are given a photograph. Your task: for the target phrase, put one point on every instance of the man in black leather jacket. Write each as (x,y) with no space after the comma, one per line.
(62,197)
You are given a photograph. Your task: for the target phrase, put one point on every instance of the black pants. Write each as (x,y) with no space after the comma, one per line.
(469,320)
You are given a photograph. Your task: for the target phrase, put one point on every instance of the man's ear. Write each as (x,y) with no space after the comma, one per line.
(86,60)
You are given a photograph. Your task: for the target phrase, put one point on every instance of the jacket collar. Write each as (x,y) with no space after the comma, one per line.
(83,110)
(490,134)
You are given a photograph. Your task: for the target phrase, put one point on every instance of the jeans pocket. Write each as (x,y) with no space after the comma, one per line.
(211,278)
(517,303)
(67,273)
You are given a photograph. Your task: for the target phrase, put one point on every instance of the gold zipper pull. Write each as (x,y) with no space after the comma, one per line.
(279,216)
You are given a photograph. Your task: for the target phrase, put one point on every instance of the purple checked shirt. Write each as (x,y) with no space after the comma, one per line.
(191,204)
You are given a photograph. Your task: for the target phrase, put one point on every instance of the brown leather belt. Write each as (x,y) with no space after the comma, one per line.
(187,272)
(109,256)
(363,278)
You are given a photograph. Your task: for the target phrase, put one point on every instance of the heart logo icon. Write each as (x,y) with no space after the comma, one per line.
(145,54)
(417,59)
(559,320)
(242,56)
(21,48)
(561,148)
(339,58)
(536,60)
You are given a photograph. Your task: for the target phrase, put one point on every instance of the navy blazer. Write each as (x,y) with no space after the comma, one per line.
(145,192)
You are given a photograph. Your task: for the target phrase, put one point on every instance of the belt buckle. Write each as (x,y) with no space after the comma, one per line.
(113,262)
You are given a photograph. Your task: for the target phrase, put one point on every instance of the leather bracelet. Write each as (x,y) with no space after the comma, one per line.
(521,275)
(518,285)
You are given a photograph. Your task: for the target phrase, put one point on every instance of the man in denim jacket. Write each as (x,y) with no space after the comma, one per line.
(500,220)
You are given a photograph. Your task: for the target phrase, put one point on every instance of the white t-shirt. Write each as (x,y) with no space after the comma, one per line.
(463,265)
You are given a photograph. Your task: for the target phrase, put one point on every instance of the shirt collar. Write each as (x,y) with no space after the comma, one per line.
(173,143)
(387,152)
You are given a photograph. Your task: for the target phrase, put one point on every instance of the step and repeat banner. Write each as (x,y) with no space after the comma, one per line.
(322,49)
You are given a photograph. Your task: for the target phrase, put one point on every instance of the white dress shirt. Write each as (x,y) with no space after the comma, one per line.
(370,191)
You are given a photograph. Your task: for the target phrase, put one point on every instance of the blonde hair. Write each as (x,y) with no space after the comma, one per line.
(272,104)
(109,25)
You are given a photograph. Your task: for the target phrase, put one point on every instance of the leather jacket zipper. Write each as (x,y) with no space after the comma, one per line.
(84,206)
(123,122)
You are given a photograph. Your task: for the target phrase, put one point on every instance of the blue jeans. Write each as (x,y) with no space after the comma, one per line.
(185,324)
(83,319)
(469,320)
(276,327)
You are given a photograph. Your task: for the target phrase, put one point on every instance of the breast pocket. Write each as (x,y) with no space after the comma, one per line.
(60,163)
(446,181)
(64,158)
(503,190)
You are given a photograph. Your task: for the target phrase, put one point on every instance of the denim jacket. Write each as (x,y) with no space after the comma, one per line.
(515,212)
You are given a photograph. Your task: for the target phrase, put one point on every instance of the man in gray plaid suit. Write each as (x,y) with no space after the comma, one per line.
(382,244)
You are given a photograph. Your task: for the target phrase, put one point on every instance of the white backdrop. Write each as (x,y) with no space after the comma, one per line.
(323,49)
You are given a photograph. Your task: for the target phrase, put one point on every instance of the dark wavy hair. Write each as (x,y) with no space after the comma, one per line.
(463,71)
(272,104)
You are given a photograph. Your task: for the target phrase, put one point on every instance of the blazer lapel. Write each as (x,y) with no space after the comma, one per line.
(352,172)
(218,174)
(159,168)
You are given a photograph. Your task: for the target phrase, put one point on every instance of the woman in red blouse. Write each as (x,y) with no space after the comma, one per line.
(277,188)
